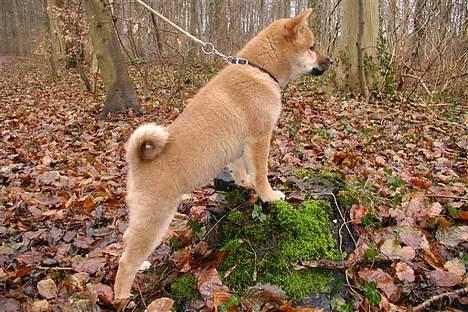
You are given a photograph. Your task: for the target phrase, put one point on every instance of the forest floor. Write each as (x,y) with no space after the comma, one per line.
(396,168)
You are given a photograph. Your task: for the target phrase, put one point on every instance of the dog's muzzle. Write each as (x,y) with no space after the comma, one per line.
(322,67)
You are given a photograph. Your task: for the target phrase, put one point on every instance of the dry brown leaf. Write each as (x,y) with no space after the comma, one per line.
(104,293)
(383,280)
(182,258)
(453,236)
(404,272)
(209,283)
(412,237)
(357,212)
(47,288)
(390,247)
(455,266)
(444,279)
(39,306)
(222,297)
(90,266)
(160,305)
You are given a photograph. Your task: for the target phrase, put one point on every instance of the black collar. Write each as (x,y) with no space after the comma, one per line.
(243,61)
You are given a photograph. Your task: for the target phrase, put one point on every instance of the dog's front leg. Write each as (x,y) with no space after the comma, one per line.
(256,159)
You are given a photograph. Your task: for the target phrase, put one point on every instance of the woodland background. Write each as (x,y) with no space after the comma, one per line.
(382,138)
(407,44)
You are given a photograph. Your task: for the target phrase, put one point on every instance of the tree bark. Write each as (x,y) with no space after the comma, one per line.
(360,52)
(120,92)
(220,24)
(347,72)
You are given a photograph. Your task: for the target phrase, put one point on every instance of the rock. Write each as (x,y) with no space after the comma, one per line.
(224,181)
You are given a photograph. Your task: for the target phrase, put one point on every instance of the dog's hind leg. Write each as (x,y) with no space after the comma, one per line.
(256,157)
(147,226)
(239,173)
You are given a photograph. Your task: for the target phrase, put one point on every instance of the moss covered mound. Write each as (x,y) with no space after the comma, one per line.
(266,249)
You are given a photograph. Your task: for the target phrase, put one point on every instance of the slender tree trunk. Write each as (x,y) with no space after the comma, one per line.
(419,31)
(120,92)
(360,52)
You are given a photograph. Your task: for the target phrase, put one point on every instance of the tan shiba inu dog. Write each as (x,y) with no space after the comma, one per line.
(229,121)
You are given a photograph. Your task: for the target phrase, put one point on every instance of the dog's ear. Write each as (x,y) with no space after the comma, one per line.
(294,25)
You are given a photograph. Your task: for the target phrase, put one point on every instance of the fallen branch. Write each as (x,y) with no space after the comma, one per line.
(427,303)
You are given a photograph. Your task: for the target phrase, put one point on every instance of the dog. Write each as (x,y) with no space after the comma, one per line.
(229,122)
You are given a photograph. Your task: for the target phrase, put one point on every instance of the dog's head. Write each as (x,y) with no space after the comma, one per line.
(299,42)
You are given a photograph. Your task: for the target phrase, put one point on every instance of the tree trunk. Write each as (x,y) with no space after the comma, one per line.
(120,92)
(220,25)
(360,52)
(418,30)
(347,72)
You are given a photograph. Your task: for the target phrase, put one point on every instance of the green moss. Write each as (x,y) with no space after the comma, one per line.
(184,289)
(269,250)
(235,216)
(302,283)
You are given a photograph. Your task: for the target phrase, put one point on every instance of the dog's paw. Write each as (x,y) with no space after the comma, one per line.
(275,195)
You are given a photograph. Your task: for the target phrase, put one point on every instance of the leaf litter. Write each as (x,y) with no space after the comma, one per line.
(62,174)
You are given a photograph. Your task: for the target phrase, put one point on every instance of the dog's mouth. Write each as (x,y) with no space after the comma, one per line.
(316,71)
(322,67)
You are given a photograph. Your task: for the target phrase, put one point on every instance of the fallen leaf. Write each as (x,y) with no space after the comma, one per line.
(9,305)
(412,237)
(384,282)
(455,266)
(407,253)
(90,266)
(182,258)
(104,293)
(357,212)
(390,247)
(416,204)
(208,283)
(39,306)
(222,297)
(453,236)
(47,288)
(444,279)
(404,272)
(48,177)
(160,305)
(260,296)
(198,213)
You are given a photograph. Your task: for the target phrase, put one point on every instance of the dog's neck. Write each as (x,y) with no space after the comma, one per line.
(261,52)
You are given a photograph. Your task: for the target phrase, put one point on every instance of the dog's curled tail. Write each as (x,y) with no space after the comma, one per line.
(146,142)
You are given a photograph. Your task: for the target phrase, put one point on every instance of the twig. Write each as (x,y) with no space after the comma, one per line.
(427,303)
(421,81)
(339,232)
(326,264)
(464,198)
(55,268)
(214,225)
(336,265)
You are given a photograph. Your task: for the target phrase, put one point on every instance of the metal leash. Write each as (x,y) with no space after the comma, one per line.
(207,47)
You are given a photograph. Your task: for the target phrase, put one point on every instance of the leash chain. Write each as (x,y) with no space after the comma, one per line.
(207,47)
